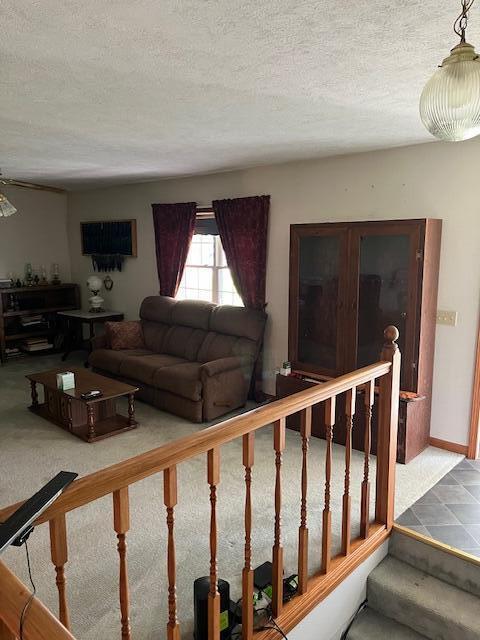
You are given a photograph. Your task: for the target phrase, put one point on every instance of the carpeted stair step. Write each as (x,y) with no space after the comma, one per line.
(371,625)
(422,602)
(457,571)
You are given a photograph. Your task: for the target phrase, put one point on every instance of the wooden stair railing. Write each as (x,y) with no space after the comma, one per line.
(40,623)
(117,478)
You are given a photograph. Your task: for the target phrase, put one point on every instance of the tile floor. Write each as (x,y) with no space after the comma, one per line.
(450,511)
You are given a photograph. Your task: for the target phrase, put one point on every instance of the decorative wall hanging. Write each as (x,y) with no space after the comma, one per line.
(108,283)
(109,242)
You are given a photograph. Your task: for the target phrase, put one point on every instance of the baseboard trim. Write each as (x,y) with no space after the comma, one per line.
(463,555)
(454,447)
(320,586)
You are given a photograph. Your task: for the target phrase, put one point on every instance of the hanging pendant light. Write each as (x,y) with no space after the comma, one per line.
(6,207)
(450,101)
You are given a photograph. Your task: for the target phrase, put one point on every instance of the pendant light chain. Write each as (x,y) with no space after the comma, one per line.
(460,24)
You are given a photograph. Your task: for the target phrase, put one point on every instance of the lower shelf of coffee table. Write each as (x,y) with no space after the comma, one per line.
(105,428)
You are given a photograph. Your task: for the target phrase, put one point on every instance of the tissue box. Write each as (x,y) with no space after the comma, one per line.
(65,380)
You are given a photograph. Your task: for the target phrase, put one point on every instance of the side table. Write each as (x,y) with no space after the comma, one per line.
(74,321)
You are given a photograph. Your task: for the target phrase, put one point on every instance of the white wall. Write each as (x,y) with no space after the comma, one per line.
(432,180)
(37,233)
(332,616)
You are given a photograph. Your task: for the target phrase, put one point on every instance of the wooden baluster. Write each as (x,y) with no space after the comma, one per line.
(365,508)
(305,431)
(213,596)
(387,430)
(59,555)
(327,514)
(5,633)
(247,574)
(121,524)
(346,511)
(170,500)
(277,578)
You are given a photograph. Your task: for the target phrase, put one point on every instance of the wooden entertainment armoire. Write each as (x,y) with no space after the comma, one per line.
(348,281)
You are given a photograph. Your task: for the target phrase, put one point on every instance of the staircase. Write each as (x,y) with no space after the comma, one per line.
(420,592)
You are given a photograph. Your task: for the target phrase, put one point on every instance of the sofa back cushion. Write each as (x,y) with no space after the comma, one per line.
(157,309)
(154,334)
(162,316)
(238,321)
(234,331)
(192,313)
(183,342)
(218,345)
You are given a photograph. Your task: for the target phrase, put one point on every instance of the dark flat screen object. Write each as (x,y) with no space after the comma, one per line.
(31,509)
(109,237)
(262,576)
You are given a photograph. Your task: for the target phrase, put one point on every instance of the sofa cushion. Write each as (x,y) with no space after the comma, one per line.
(219,345)
(181,379)
(154,334)
(183,342)
(127,334)
(143,367)
(238,321)
(110,360)
(157,309)
(192,313)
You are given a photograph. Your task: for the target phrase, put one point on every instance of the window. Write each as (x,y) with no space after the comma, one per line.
(206,275)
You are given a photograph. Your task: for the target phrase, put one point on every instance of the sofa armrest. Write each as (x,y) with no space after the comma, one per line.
(222,365)
(99,342)
(225,385)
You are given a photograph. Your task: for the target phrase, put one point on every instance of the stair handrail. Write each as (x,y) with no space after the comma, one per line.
(117,478)
(121,474)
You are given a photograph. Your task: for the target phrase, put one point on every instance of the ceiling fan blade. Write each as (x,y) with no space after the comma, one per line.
(29,185)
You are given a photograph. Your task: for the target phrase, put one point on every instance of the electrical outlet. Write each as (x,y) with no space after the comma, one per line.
(447,317)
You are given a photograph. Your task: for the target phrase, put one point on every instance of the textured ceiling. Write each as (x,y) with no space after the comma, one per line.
(97,93)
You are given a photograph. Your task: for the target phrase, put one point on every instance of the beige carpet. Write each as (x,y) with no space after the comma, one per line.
(32,450)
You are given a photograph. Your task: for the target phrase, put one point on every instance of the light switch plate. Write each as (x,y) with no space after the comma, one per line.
(447,317)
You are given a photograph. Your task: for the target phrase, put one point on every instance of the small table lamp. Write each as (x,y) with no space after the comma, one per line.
(94,284)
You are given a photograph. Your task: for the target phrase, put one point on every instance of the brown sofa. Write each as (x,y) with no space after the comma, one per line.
(198,357)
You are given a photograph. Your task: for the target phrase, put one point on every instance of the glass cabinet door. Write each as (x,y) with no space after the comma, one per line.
(317,303)
(386,289)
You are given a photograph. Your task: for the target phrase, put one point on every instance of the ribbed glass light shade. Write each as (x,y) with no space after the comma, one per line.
(450,101)
(6,207)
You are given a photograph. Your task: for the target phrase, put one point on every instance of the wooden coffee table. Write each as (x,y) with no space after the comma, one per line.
(90,420)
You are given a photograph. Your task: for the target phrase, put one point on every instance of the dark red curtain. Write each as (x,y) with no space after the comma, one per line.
(242,224)
(173,225)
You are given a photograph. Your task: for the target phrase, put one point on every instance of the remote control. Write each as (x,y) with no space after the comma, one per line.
(91,395)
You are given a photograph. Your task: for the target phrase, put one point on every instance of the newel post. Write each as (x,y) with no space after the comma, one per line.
(387,430)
